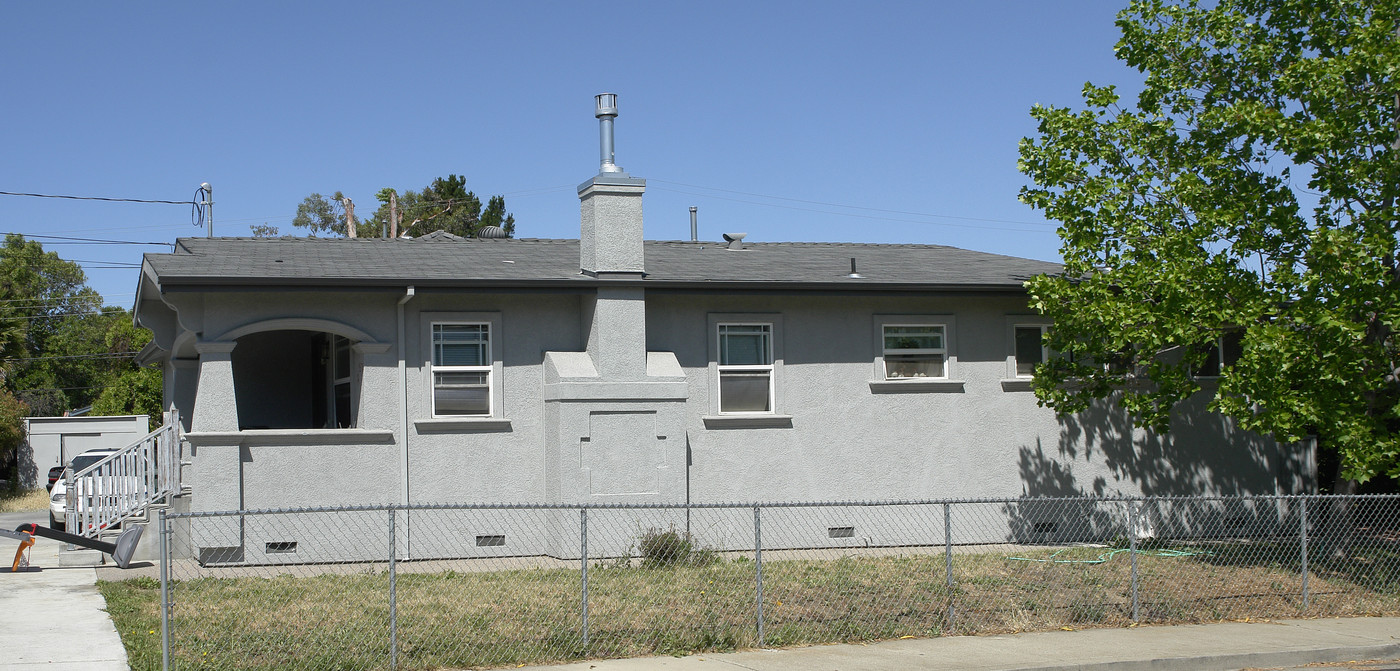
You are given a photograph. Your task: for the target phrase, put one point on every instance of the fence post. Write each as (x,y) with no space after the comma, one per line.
(1132,552)
(164,527)
(948,562)
(583,565)
(393,595)
(1303,545)
(758,568)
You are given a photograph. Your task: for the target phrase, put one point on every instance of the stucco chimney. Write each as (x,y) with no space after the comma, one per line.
(610,235)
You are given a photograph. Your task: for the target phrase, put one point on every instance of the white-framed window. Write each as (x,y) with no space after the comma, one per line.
(745,367)
(1028,349)
(462,369)
(340,374)
(1224,352)
(915,351)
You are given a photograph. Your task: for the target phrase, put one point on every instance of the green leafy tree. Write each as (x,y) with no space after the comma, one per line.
(445,204)
(1250,191)
(12,414)
(50,325)
(320,215)
(131,390)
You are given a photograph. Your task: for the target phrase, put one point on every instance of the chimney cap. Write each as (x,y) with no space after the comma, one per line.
(605,105)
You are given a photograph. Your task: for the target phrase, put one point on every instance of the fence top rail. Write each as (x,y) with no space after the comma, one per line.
(1028,500)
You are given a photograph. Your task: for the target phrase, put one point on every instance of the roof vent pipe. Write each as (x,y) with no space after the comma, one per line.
(694,227)
(606,110)
(854,275)
(735,240)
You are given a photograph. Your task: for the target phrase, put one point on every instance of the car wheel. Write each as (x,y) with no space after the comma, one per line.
(54,523)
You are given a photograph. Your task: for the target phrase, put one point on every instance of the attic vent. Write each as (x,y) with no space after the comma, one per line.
(491,232)
(735,240)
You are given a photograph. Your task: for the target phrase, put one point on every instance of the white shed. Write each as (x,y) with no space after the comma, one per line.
(54,441)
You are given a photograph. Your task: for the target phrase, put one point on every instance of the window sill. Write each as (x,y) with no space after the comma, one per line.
(748,421)
(463,424)
(289,437)
(916,386)
(1016,384)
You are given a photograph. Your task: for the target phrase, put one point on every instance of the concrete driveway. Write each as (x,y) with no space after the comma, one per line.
(52,617)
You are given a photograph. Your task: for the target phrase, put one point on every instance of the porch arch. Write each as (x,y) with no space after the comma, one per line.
(299,324)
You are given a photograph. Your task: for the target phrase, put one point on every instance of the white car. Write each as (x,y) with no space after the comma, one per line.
(58,496)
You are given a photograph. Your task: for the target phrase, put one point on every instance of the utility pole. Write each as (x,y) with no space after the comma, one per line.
(208,207)
(349,217)
(393,214)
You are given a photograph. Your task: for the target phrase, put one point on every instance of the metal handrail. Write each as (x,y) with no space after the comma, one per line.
(125,482)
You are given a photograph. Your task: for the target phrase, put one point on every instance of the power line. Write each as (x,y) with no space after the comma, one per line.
(110,200)
(109,355)
(121,264)
(58,302)
(56,315)
(100,386)
(89,240)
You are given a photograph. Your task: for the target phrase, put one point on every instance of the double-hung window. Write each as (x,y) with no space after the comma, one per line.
(915,351)
(462,369)
(745,365)
(1224,352)
(1030,348)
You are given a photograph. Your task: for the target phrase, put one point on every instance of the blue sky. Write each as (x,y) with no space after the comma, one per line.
(793,121)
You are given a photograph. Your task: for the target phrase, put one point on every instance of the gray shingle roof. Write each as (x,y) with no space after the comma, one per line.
(449,261)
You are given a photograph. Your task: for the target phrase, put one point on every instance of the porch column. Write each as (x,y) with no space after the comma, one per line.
(181,383)
(215,403)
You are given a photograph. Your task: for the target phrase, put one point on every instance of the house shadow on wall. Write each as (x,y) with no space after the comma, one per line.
(1101,454)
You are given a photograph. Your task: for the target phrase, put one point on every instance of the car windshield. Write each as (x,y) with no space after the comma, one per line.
(83,461)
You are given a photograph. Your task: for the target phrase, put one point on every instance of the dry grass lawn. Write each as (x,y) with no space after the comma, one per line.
(505,618)
(24,500)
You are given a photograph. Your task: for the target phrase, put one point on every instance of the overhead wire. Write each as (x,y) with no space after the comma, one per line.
(55,357)
(74,240)
(102,198)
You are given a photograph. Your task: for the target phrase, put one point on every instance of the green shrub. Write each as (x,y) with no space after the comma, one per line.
(671,548)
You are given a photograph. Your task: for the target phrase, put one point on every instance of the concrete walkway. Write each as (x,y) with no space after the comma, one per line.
(1231,645)
(52,617)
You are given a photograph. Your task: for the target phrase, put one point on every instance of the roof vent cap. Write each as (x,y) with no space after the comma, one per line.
(735,240)
(605,109)
(491,232)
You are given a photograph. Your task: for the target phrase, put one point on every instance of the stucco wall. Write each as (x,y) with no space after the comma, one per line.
(841,432)
(850,440)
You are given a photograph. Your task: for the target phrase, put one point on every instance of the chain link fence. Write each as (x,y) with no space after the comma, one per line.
(425,587)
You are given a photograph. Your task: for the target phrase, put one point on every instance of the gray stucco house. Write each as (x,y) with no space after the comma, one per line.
(319,372)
